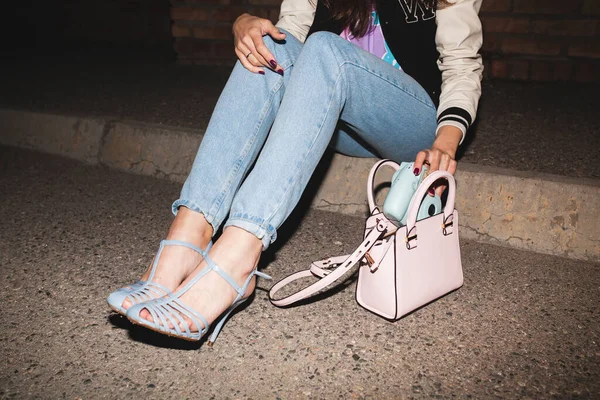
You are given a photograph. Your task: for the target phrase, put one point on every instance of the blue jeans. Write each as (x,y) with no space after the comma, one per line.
(332,93)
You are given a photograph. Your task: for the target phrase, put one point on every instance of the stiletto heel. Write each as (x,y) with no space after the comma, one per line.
(142,291)
(221,321)
(171,310)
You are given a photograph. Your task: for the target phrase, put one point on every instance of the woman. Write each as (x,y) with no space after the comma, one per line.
(397,79)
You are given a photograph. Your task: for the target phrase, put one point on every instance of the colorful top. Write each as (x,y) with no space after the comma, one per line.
(373,41)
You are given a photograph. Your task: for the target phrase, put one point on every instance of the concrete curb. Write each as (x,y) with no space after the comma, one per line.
(155,150)
(68,136)
(539,212)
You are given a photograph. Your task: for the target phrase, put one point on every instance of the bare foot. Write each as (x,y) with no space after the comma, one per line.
(177,262)
(237,253)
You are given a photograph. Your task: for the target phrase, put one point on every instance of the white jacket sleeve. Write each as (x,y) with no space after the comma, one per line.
(459,38)
(296,17)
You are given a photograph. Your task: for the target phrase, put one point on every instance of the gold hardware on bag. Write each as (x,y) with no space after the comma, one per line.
(371,262)
(389,233)
(409,238)
(369,259)
(446,225)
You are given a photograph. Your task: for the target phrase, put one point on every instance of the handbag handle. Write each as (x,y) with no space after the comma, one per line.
(371,180)
(327,277)
(413,208)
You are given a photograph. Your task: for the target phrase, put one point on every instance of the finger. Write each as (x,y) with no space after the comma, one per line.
(266,54)
(272,30)
(252,59)
(419,160)
(447,163)
(246,53)
(439,189)
(444,162)
(434,165)
(242,57)
(452,166)
(250,54)
(276,34)
(434,160)
(247,45)
(251,40)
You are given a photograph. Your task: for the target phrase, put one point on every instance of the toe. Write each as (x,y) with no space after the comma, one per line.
(190,324)
(138,314)
(126,304)
(145,314)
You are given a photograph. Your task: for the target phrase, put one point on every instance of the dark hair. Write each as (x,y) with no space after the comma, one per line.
(355,14)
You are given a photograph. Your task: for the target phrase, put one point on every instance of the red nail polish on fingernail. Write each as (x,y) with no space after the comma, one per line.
(261,72)
(416,171)
(280,71)
(431,192)
(273,63)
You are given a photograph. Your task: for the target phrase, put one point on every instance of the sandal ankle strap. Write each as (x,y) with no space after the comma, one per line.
(186,244)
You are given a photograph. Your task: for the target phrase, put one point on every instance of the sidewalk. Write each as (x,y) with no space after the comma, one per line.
(549,128)
(524,325)
(530,163)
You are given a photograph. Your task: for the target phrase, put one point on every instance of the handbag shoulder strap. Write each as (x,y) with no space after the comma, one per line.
(328,276)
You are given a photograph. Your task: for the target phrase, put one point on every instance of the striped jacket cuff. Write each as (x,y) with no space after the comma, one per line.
(455,116)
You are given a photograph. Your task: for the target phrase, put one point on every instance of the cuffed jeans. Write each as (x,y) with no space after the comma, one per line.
(332,93)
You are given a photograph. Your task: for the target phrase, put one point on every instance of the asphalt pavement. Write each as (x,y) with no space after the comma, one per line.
(524,325)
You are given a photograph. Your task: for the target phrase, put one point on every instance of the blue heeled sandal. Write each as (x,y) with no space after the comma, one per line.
(142,291)
(171,309)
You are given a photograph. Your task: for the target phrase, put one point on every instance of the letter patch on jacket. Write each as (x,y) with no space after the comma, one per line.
(415,11)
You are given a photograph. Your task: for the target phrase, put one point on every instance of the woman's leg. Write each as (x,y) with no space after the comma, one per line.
(346,141)
(332,80)
(235,134)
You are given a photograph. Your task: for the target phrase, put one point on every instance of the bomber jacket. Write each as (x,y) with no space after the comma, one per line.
(419,38)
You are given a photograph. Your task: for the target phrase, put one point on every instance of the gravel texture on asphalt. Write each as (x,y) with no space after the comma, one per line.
(523,326)
(551,128)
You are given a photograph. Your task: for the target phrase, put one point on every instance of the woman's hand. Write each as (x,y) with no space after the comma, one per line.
(250,48)
(441,155)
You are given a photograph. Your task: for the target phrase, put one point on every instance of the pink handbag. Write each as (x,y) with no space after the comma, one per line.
(401,268)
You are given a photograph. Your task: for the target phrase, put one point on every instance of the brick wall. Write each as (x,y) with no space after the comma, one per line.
(117,21)
(540,40)
(45,25)
(201,29)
